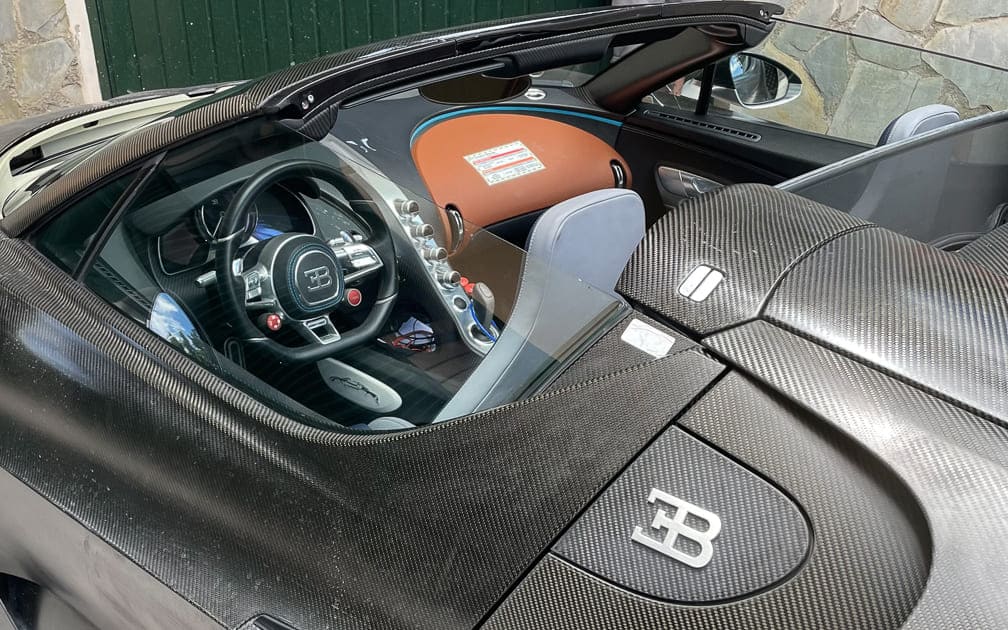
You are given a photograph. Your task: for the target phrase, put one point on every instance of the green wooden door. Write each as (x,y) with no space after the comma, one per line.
(150,44)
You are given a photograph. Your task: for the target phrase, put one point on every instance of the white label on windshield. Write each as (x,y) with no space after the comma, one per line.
(504,163)
(648,338)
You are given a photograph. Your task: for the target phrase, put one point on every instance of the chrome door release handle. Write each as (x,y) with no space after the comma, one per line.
(685,184)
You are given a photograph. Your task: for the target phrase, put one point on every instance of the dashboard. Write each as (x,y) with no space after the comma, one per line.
(280,209)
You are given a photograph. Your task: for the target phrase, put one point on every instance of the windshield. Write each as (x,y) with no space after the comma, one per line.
(469,321)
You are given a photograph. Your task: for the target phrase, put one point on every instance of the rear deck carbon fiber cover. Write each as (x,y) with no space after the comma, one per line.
(923,315)
(752,233)
(866,569)
(954,464)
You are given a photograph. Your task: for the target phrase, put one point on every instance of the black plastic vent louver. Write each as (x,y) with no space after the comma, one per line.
(738,133)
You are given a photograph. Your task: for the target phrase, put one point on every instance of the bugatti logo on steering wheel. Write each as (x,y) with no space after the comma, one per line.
(318,278)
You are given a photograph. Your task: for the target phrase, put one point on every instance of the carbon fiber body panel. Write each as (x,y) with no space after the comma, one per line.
(16,131)
(876,402)
(752,233)
(611,354)
(763,537)
(241,511)
(923,315)
(989,251)
(866,569)
(954,463)
(106,576)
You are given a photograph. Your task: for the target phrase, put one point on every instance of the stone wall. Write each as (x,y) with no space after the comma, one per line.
(39,67)
(854,87)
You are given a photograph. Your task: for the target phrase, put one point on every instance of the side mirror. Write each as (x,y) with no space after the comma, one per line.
(754,82)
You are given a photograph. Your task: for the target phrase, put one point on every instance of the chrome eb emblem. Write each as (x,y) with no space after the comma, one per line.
(318,278)
(700,283)
(676,526)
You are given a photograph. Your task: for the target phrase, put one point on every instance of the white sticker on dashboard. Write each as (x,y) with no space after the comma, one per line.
(648,338)
(504,163)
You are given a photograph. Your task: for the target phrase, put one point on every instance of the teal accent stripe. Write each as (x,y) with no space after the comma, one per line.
(507,108)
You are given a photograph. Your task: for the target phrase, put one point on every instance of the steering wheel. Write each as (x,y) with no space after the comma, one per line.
(299,278)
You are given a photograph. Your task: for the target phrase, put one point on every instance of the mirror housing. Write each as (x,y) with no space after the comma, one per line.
(754,82)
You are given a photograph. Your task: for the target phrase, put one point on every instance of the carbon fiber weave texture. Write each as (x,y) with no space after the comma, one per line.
(954,463)
(611,354)
(866,569)
(989,251)
(763,540)
(750,232)
(243,511)
(907,308)
(16,131)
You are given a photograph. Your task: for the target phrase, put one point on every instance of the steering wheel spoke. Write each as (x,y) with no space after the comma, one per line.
(319,330)
(358,260)
(254,280)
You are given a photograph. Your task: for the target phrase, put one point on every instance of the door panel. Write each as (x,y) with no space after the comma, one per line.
(725,150)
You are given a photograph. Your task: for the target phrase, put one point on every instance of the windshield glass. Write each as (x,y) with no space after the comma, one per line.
(430,316)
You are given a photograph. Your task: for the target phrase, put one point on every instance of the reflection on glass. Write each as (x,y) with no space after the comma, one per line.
(168,321)
(929,190)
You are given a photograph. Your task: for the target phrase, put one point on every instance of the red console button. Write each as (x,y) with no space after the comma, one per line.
(271,321)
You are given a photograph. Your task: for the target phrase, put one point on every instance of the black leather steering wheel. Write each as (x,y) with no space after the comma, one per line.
(299,277)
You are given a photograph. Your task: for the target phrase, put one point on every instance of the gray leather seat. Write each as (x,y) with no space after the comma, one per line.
(918,121)
(589,237)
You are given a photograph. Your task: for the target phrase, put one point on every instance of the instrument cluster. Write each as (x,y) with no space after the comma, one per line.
(189,244)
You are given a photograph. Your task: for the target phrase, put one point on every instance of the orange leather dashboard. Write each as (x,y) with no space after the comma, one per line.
(494,167)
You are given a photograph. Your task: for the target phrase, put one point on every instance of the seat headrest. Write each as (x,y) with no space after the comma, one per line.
(918,121)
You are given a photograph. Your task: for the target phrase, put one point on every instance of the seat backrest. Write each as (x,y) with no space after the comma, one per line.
(918,121)
(591,236)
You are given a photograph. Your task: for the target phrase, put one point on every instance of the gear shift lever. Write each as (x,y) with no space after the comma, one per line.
(483,306)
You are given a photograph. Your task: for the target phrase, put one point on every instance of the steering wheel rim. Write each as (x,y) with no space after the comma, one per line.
(233,288)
